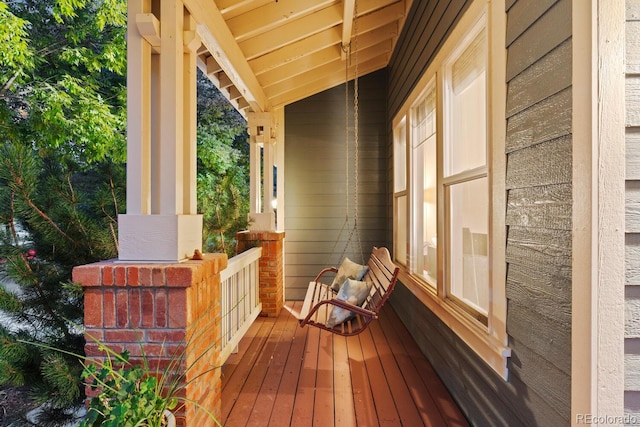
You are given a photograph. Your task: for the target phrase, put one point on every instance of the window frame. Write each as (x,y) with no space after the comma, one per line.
(454,178)
(416,228)
(401,251)
(487,338)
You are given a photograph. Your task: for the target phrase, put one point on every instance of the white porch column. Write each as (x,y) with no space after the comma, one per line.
(598,246)
(262,131)
(161,223)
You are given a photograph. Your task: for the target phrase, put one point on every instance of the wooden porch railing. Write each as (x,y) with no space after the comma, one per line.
(239,303)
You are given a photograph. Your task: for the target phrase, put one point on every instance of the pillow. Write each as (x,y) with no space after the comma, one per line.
(352,291)
(348,270)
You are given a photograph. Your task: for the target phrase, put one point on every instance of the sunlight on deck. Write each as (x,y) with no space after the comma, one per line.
(284,375)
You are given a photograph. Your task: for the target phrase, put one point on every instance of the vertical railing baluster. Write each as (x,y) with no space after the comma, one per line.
(239,300)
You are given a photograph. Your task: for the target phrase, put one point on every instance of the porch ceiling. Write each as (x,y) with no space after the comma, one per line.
(265,54)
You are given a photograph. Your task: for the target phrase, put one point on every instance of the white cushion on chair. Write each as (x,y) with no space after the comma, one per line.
(348,270)
(352,291)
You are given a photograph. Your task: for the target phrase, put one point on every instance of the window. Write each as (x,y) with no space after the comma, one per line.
(449,184)
(400,192)
(423,184)
(465,182)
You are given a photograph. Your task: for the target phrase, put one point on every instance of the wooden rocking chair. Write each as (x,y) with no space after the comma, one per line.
(382,274)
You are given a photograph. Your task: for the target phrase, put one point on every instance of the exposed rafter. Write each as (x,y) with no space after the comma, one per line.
(217,37)
(264,54)
(347,24)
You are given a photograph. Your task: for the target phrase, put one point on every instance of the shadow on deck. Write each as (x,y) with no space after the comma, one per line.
(284,375)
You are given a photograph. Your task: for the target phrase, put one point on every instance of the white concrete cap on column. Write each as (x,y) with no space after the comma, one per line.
(161,238)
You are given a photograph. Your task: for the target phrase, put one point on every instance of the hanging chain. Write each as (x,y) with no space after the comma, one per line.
(351,47)
(355,109)
(355,127)
(347,51)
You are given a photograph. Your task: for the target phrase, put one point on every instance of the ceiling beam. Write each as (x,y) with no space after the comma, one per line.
(347,24)
(300,66)
(306,63)
(274,46)
(326,82)
(232,8)
(292,31)
(273,14)
(295,50)
(218,39)
(336,67)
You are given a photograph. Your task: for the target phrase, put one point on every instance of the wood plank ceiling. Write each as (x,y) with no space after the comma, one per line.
(265,54)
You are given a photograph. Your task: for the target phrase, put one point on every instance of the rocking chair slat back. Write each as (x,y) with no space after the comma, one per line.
(382,275)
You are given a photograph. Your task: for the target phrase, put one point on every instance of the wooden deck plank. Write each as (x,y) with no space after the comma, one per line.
(323,408)
(288,385)
(439,394)
(285,375)
(429,412)
(303,405)
(344,406)
(363,403)
(235,359)
(265,400)
(248,394)
(409,415)
(232,385)
(385,407)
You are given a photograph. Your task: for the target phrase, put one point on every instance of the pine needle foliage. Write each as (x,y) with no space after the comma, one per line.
(62,179)
(57,216)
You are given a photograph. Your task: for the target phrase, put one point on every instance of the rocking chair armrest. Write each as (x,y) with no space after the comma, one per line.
(326,270)
(355,309)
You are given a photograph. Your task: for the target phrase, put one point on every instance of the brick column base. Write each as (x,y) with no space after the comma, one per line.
(164,312)
(271,267)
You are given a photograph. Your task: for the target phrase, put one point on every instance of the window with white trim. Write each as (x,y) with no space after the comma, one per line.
(464,180)
(400,193)
(423,186)
(448,190)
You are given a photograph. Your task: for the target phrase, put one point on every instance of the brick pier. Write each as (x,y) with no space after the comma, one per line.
(271,267)
(162,310)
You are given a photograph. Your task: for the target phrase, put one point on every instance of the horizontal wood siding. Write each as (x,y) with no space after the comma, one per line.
(632,207)
(539,220)
(316,197)
(425,29)
(539,200)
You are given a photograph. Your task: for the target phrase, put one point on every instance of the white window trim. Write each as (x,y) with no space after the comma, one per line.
(489,342)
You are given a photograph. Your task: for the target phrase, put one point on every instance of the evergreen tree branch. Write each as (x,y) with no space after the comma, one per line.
(46,217)
(112,187)
(71,191)
(45,301)
(19,183)
(114,236)
(12,223)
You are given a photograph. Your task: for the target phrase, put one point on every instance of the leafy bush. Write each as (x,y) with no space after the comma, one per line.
(127,395)
(223,169)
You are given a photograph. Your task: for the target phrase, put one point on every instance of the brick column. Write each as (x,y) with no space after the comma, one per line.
(271,267)
(162,310)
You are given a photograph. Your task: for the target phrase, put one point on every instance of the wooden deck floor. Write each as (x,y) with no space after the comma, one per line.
(285,375)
